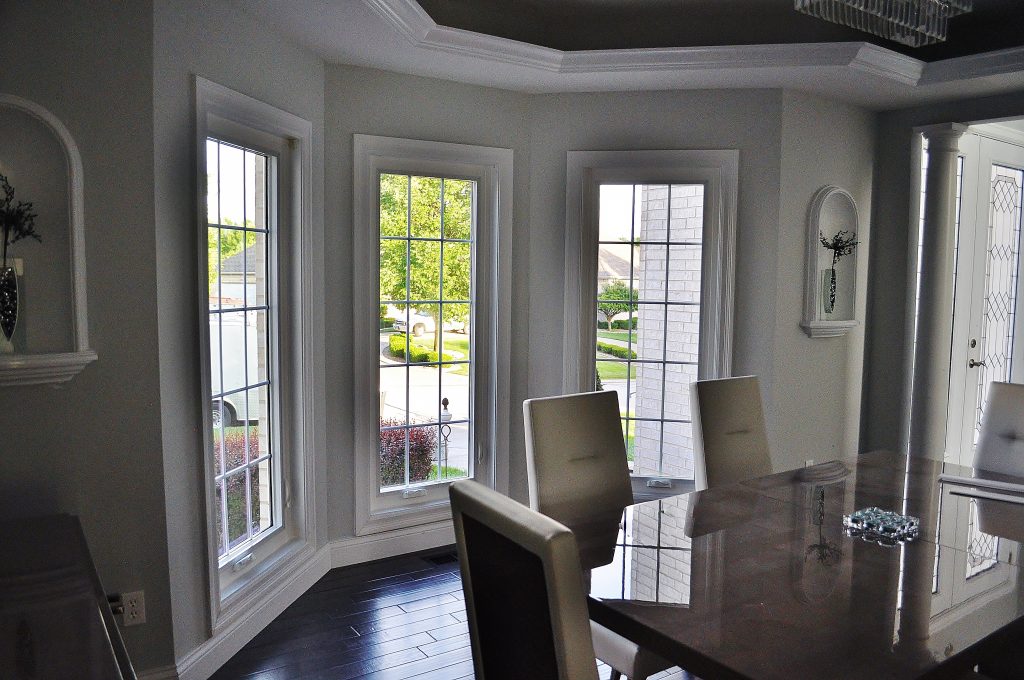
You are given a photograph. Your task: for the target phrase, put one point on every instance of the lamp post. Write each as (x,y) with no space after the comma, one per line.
(446,431)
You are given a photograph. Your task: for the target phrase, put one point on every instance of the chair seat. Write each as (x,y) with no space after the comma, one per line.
(625,656)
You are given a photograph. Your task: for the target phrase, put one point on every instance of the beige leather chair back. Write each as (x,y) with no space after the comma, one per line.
(730,443)
(1001,443)
(575,456)
(521,576)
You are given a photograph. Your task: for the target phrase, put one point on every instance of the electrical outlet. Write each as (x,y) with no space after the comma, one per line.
(134,607)
(808,463)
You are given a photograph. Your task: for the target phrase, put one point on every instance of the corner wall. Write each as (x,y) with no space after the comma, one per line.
(219,42)
(92,447)
(816,394)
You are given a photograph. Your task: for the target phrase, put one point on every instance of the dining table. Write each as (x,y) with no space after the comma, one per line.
(770,578)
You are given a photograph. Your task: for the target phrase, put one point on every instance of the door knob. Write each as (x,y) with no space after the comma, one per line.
(974,364)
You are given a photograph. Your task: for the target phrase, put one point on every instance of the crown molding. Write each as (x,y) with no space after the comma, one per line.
(399,36)
(1000,62)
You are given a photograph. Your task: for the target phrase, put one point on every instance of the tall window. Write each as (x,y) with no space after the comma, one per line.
(648,312)
(432,322)
(426,367)
(240,239)
(650,240)
(258,269)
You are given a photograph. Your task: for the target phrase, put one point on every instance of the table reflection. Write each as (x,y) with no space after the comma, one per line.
(731,574)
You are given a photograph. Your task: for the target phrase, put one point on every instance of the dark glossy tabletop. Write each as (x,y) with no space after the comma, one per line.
(759,580)
(55,623)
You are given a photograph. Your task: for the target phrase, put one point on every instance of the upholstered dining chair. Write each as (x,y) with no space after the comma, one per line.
(730,443)
(525,605)
(1001,440)
(577,473)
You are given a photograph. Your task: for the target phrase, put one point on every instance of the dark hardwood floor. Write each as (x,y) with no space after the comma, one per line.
(388,620)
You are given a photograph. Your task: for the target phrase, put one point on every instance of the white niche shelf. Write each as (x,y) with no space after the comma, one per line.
(57,367)
(830,287)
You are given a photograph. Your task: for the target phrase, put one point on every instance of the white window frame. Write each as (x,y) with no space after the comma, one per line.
(491,169)
(586,171)
(237,582)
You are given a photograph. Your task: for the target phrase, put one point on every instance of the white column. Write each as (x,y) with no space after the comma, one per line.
(935,312)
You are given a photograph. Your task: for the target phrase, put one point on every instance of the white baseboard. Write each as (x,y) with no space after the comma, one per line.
(203,661)
(371,547)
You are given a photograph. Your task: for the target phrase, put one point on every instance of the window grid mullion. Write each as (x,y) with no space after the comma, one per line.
(245,343)
(408,318)
(632,273)
(439,331)
(220,350)
(664,333)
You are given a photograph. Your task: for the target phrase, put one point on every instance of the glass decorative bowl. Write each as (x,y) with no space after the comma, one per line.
(881,526)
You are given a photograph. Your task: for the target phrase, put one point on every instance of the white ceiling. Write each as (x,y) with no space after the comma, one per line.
(397,35)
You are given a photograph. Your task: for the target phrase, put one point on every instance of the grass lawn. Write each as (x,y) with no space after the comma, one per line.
(448,473)
(630,434)
(621,336)
(454,343)
(616,371)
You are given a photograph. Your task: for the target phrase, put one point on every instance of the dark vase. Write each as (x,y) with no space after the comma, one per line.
(8,301)
(828,290)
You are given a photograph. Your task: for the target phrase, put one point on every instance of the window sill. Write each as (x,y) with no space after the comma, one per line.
(394,517)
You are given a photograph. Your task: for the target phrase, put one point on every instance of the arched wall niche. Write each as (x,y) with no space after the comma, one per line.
(60,350)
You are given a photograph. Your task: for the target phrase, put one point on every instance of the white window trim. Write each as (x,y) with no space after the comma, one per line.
(219,111)
(718,171)
(492,169)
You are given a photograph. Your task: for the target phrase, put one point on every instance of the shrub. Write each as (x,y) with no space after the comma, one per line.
(422,447)
(622,324)
(599,386)
(234,457)
(616,351)
(417,355)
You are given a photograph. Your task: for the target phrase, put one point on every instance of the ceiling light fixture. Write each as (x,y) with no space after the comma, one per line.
(909,22)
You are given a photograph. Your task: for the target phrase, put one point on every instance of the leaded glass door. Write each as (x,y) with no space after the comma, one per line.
(986,319)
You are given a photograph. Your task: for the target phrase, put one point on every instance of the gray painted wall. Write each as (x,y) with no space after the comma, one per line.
(885,349)
(250,58)
(815,398)
(93,447)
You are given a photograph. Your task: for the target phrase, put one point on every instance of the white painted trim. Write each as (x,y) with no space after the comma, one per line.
(585,171)
(887,64)
(408,19)
(58,367)
(42,369)
(261,608)
(305,299)
(492,169)
(268,604)
(359,549)
(982,65)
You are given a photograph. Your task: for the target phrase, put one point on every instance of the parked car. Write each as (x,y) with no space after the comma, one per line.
(424,323)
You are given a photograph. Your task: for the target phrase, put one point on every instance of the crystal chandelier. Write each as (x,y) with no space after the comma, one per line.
(910,22)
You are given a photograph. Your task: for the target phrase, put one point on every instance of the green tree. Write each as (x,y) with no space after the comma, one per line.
(615,298)
(232,242)
(411,266)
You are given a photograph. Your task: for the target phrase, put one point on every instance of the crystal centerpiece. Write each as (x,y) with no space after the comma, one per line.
(881,526)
